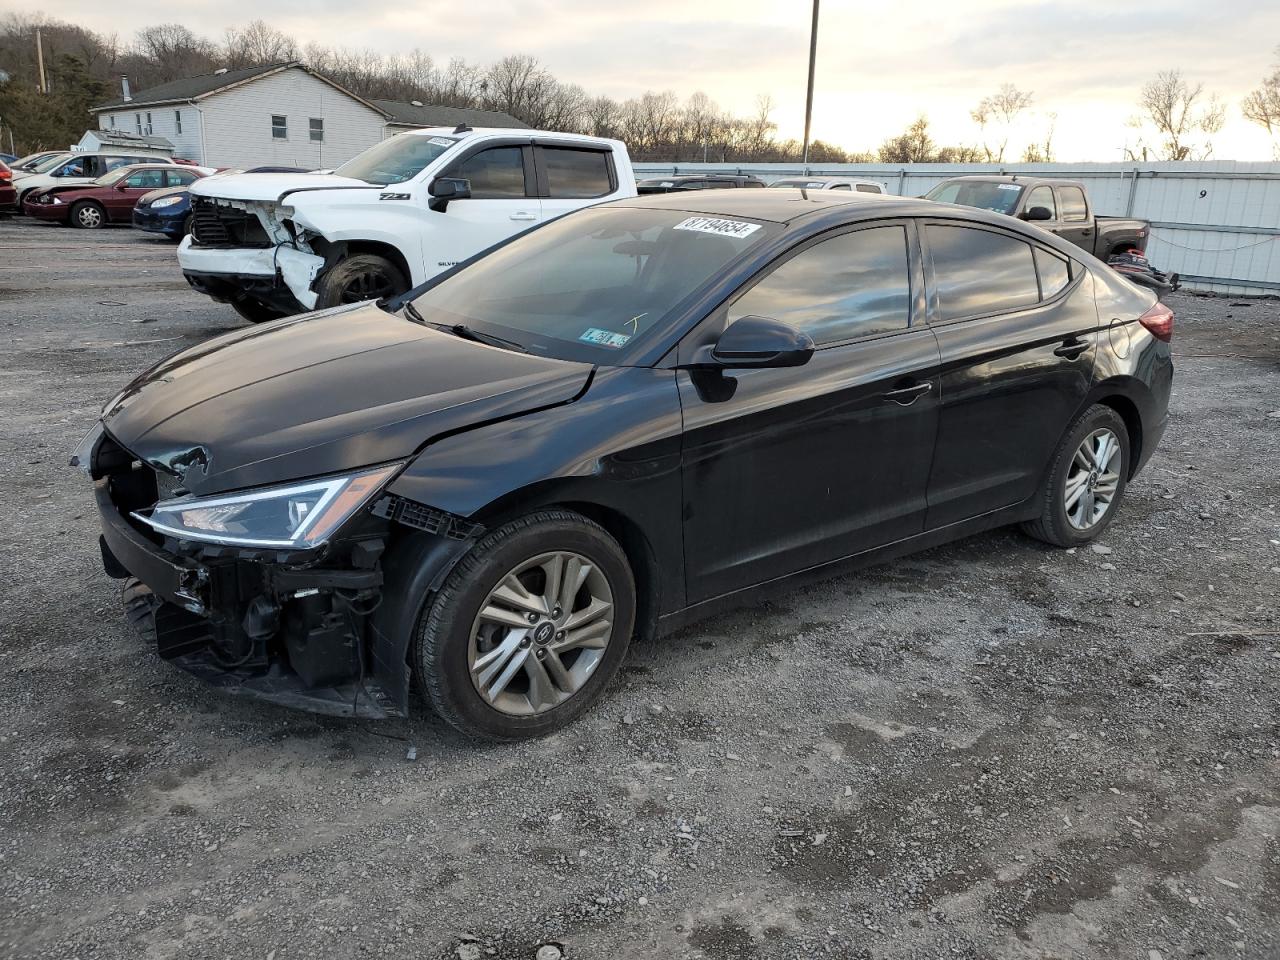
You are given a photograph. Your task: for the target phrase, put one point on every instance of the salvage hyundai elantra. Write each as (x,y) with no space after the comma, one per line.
(609,427)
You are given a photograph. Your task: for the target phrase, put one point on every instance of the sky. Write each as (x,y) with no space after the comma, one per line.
(878,65)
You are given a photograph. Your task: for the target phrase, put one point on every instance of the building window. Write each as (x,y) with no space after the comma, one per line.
(177,121)
(137,122)
(279,127)
(317,129)
(112,118)
(149,130)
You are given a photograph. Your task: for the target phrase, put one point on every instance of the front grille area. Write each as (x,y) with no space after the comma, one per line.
(216,225)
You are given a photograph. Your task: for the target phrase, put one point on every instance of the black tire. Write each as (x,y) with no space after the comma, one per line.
(255,311)
(87,215)
(1053,525)
(443,635)
(186,227)
(22,199)
(365,276)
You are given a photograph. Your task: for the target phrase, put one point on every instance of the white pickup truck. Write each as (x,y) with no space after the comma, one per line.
(416,204)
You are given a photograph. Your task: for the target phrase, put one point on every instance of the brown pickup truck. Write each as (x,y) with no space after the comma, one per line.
(1063,207)
(1059,206)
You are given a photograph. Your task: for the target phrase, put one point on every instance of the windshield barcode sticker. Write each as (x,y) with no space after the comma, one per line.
(1007,186)
(720,227)
(441,141)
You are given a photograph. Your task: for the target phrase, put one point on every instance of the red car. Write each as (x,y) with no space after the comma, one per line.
(8,195)
(109,199)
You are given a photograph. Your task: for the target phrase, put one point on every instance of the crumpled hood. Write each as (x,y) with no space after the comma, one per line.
(269,186)
(323,393)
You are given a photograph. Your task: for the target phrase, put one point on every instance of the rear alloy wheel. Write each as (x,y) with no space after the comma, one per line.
(255,311)
(1086,480)
(528,629)
(364,276)
(87,215)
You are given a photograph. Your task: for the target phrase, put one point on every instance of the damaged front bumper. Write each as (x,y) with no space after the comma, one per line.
(266,273)
(324,630)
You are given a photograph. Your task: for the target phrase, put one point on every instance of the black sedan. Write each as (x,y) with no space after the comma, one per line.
(611,426)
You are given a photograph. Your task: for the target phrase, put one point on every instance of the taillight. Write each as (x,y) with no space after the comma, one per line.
(6,175)
(1159,320)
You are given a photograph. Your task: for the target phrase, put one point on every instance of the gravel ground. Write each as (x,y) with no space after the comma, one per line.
(993,749)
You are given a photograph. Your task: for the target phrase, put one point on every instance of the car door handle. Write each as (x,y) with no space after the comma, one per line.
(1072,349)
(905,396)
(524,215)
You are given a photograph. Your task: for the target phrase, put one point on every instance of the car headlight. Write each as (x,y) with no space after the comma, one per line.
(166,202)
(299,516)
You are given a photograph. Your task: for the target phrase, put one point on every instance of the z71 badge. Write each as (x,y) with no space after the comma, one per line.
(393,196)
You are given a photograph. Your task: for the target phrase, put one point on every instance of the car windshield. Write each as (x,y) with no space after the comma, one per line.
(985,195)
(590,286)
(396,159)
(44,166)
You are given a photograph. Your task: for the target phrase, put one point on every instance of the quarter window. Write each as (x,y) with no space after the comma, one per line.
(868,188)
(979,272)
(1043,197)
(317,129)
(1073,204)
(279,127)
(495,174)
(853,285)
(180,178)
(1054,272)
(576,173)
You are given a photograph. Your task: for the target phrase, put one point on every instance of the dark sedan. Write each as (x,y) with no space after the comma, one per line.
(168,211)
(610,426)
(109,199)
(8,195)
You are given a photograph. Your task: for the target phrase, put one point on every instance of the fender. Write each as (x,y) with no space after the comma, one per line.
(558,455)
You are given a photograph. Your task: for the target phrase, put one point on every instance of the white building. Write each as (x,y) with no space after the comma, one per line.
(281,114)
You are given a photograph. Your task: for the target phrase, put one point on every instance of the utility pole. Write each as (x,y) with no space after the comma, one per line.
(808,100)
(42,83)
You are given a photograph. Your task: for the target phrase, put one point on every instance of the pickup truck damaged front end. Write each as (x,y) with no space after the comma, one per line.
(324,630)
(251,247)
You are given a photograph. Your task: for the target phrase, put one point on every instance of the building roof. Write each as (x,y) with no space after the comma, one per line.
(408,114)
(125,138)
(192,88)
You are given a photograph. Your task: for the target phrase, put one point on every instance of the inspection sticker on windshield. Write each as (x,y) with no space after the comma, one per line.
(1007,186)
(718,226)
(441,141)
(605,338)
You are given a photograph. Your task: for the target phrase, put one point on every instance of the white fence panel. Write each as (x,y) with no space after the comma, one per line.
(1215,222)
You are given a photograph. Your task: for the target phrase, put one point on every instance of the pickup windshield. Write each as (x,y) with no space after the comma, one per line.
(395,159)
(999,197)
(590,286)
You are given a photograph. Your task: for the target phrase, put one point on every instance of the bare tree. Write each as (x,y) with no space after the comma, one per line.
(999,112)
(1262,105)
(913,145)
(174,51)
(1185,119)
(258,44)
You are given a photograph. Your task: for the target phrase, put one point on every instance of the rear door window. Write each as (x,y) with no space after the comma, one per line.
(854,285)
(868,188)
(495,174)
(145,179)
(576,173)
(1073,204)
(979,272)
(1055,273)
(180,178)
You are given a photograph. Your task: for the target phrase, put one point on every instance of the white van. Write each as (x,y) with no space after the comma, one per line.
(406,209)
(830,183)
(71,169)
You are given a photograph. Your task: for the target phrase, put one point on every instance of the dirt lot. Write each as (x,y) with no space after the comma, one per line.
(993,749)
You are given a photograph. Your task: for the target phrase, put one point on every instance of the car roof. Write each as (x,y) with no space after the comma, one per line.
(1017,178)
(782,205)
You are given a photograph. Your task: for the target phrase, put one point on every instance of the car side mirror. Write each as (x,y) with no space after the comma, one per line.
(121,185)
(1038,213)
(445,189)
(756,342)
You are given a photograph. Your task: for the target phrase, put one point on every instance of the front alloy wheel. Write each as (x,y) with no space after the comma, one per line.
(541,633)
(87,216)
(529,627)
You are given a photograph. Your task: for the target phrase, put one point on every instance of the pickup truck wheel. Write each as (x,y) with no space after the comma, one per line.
(365,276)
(528,629)
(256,312)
